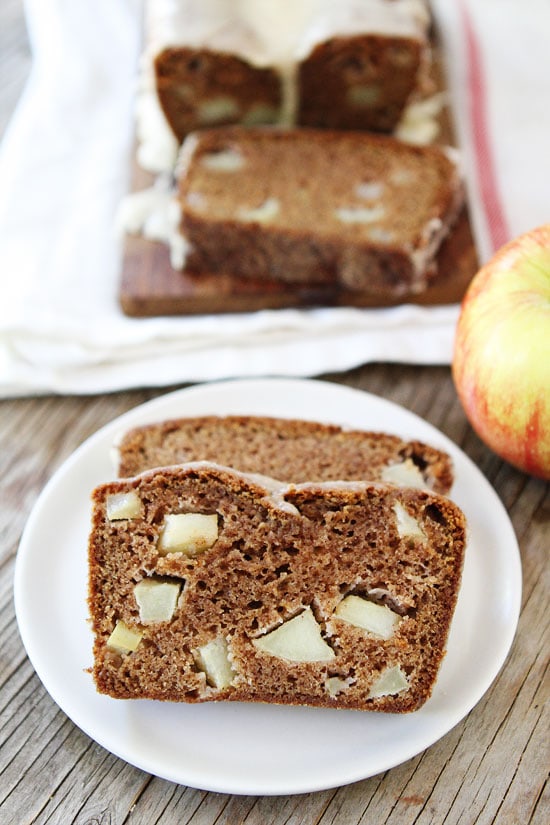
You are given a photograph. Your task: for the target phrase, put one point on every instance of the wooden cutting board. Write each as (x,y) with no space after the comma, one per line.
(149,286)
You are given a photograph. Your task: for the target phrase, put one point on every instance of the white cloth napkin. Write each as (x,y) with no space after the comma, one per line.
(64,166)
(498,63)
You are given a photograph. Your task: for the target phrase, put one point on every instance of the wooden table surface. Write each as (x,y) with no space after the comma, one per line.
(492,767)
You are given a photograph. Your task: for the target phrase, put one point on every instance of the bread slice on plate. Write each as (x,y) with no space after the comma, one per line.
(210,584)
(287,449)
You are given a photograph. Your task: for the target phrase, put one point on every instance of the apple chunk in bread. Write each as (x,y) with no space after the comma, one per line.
(213,659)
(123,506)
(156,599)
(405,474)
(124,639)
(392,680)
(188,533)
(376,618)
(407,526)
(298,640)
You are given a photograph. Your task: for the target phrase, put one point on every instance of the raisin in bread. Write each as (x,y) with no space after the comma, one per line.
(207,584)
(359,211)
(287,449)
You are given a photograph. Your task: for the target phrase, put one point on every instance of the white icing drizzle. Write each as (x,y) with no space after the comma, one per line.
(155,214)
(419,123)
(435,229)
(157,149)
(431,236)
(351,486)
(219,25)
(272,32)
(400,18)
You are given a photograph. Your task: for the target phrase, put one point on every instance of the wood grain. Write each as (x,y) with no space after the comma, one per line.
(491,768)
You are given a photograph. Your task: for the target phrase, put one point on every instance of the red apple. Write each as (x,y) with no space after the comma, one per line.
(501,360)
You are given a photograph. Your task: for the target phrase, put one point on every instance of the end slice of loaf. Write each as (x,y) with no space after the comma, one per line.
(364,212)
(288,449)
(208,584)
(360,63)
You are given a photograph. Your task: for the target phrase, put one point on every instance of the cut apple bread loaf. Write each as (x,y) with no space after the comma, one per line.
(287,449)
(358,211)
(209,584)
(347,64)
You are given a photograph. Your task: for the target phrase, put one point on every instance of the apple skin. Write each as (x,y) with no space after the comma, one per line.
(501,358)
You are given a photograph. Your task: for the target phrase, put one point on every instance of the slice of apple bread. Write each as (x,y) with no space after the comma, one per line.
(350,210)
(210,584)
(287,449)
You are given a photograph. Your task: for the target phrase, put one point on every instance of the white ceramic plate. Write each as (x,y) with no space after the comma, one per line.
(257,749)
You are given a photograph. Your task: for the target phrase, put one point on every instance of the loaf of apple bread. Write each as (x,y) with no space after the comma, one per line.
(351,64)
(288,449)
(209,584)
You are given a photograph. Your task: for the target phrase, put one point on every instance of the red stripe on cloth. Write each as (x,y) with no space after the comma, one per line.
(490,195)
